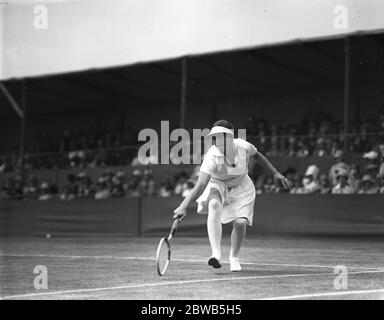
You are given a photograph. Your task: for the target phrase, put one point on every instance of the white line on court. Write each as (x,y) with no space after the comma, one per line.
(324,294)
(157,284)
(179,260)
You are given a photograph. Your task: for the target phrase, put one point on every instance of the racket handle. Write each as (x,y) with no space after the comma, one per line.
(174,227)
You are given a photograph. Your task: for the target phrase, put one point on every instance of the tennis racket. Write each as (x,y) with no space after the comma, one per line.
(163,254)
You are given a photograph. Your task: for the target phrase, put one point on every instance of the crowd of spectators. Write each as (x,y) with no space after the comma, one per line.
(315,135)
(342,178)
(87,148)
(108,185)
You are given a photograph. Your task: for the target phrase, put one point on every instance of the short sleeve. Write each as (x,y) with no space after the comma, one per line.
(251,149)
(209,165)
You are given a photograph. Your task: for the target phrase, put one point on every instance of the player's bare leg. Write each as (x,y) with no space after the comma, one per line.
(214,230)
(238,234)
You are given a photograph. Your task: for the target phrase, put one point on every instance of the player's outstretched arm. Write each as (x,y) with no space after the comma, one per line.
(196,192)
(267,164)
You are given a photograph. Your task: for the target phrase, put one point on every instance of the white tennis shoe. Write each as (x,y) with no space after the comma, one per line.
(234,264)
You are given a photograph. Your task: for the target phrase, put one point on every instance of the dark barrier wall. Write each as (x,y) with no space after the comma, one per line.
(283,214)
(114,217)
(274,214)
(319,214)
(157,216)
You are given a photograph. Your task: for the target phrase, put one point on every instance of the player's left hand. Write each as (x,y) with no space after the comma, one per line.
(284,181)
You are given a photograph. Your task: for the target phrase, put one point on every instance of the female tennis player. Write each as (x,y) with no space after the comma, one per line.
(224,190)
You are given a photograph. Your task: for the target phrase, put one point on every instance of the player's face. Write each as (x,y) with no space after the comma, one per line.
(223,142)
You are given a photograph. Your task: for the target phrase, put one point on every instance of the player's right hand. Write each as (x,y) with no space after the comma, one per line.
(180,213)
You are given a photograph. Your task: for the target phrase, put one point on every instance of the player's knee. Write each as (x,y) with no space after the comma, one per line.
(240,223)
(214,205)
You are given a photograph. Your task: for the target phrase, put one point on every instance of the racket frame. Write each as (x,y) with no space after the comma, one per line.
(167,240)
(161,271)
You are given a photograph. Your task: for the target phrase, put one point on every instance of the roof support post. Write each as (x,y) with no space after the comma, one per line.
(183,100)
(347,89)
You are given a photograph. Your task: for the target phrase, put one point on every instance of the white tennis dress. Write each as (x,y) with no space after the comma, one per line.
(235,186)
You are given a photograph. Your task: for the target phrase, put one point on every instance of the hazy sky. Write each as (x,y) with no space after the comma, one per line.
(85,34)
(1,39)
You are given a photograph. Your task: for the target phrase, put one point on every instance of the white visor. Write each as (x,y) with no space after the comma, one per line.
(220,129)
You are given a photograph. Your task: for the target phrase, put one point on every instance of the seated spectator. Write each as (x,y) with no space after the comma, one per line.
(18,189)
(66,194)
(12,189)
(166,188)
(85,188)
(147,184)
(119,186)
(259,185)
(273,148)
(100,156)
(291,150)
(133,188)
(189,186)
(195,174)
(108,176)
(8,189)
(71,189)
(324,185)
(334,147)
(102,189)
(339,164)
(373,171)
(310,182)
(76,157)
(181,183)
(353,179)
(371,157)
(45,192)
(320,148)
(269,185)
(367,186)
(31,189)
(298,185)
(342,186)
(302,150)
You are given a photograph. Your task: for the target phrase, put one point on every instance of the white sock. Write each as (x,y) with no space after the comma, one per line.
(237,236)
(214,227)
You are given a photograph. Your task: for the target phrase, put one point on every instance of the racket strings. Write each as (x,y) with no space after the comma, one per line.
(163,256)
